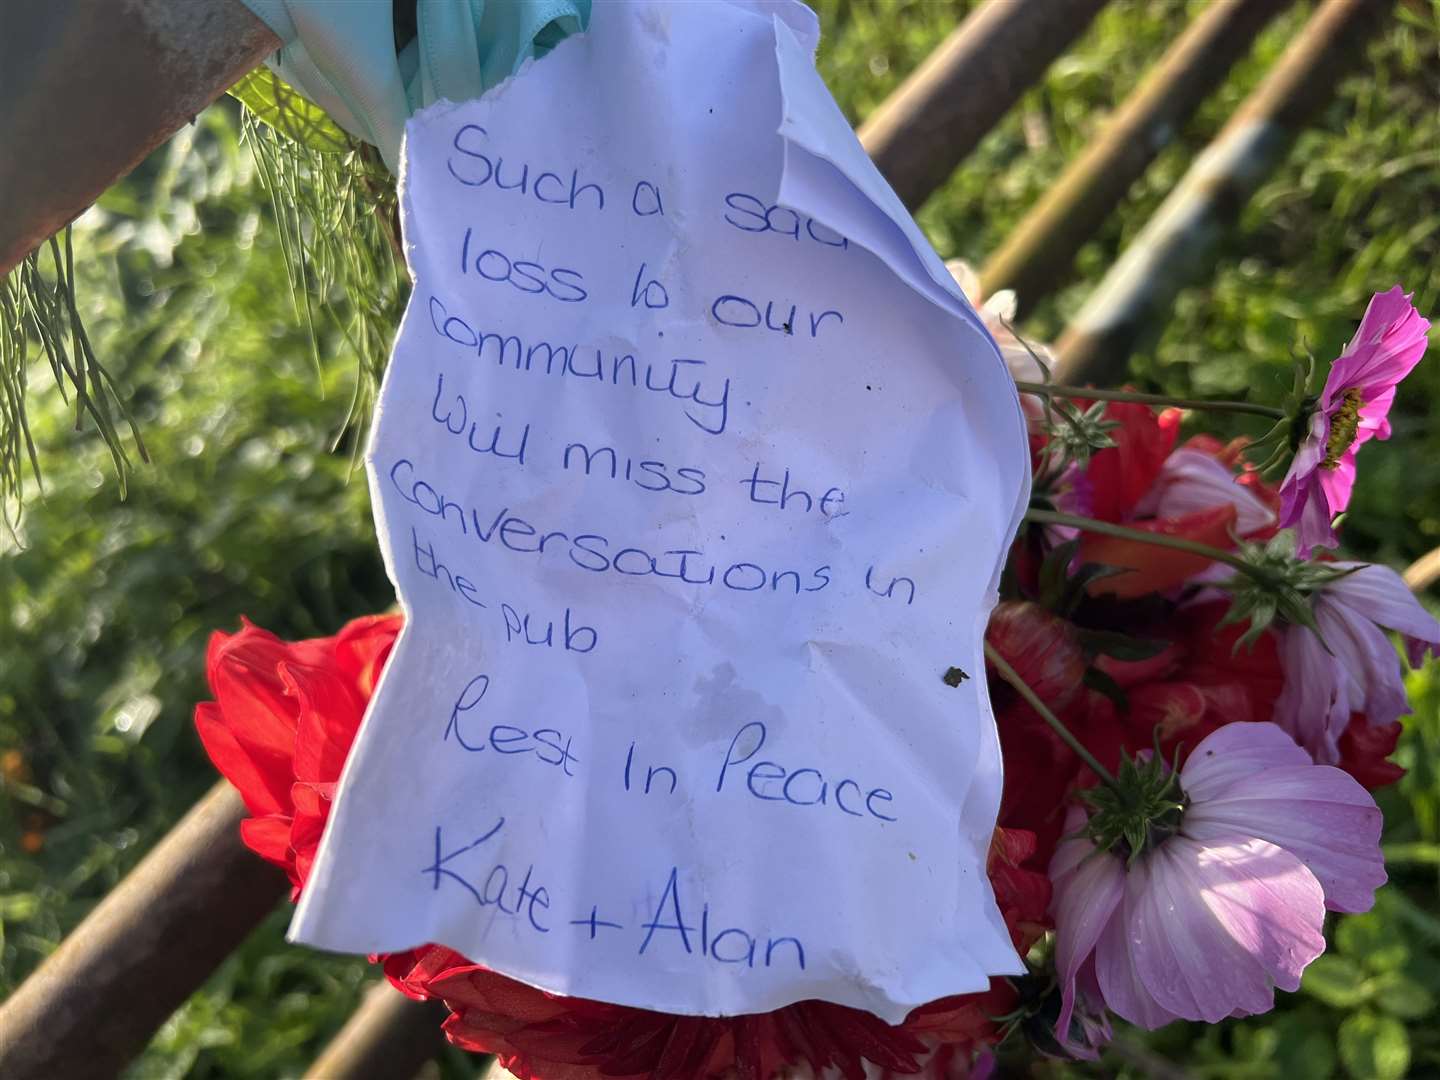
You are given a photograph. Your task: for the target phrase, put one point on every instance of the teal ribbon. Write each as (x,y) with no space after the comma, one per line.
(341,54)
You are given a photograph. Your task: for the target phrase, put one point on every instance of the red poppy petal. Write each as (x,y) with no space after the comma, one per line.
(1012,846)
(263,784)
(312,811)
(1365,750)
(691,1041)
(1154,568)
(272,835)
(330,710)
(489,992)
(1173,707)
(244,675)
(414,971)
(268,837)
(1120,476)
(965,1019)
(463,1032)
(363,647)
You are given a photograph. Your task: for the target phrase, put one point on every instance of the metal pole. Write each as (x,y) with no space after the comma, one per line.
(1174,247)
(1039,252)
(92,86)
(388,1036)
(1424,571)
(99,998)
(926,127)
(70,135)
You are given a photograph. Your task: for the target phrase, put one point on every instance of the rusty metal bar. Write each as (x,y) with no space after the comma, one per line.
(69,134)
(1173,248)
(1424,571)
(92,86)
(388,1036)
(1039,253)
(97,1000)
(960,91)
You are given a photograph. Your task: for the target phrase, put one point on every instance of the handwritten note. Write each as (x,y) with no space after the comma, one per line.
(695,476)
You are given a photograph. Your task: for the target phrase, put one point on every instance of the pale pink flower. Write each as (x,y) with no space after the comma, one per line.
(998,314)
(1207,922)
(1360,673)
(1191,481)
(1351,410)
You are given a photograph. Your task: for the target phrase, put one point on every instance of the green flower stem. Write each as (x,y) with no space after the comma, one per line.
(1410,912)
(1105,528)
(1011,676)
(1417,853)
(1086,394)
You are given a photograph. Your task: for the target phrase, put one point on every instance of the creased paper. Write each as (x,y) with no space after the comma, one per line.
(694,474)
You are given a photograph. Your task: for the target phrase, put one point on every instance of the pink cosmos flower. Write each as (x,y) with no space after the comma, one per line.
(1352,410)
(1207,922)
(1361,673)
(1192,481)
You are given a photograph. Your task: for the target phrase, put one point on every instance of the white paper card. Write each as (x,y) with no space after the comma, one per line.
(695,474)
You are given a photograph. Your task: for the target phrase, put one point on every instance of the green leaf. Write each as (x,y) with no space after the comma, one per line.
(19,907)
(1399,995)
(280,105)
(1054,571)
(1337,981)
(1098,681)
(1307,1046)
(1374,940)
(1120,646)
(1086,576)
(1255,1043)
(1414,853)
(1374,1047)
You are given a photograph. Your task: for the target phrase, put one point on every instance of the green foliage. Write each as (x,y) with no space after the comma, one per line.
(1374,1047)
(1375,966)
(273,101)
(240,390)
(106,604)
(40,306)
(335,217)
(258,1014)
(1337,981)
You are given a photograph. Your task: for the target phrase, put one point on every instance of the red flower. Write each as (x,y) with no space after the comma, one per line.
(282,721)
(1045,652)
(1118,477)
(1154,568)
(1023,895)
(1208,684)
(1198,684)
(280,728)
(1365,750)
(1238,683)
(544,1037)
(1042,648)
(1146,484)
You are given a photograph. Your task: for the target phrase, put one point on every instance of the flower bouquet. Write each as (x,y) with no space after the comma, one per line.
(1194,699)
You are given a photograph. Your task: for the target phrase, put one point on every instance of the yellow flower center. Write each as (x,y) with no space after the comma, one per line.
(1343,426)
